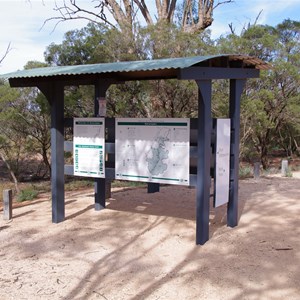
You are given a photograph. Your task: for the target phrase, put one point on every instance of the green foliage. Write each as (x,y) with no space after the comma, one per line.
(164,40)
(289,172)
(126,184)
(245,172)
(270,108)
(29,193)
(97,43)
(24,128)
(75,184)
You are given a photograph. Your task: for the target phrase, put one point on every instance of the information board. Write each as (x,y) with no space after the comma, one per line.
(89,147)
(222,165)
(153,150)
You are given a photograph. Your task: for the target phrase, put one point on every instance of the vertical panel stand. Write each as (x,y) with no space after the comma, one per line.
(203,161)
(236,89)
(100,183)
(57,153)
(7,204)
(153,187)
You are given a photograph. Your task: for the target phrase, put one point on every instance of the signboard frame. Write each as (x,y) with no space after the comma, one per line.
(152,142)
(89,147)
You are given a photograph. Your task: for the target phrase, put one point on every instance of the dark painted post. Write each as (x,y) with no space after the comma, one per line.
(102,186)
(236,89)
(153,187)
(203,161)
(57,153)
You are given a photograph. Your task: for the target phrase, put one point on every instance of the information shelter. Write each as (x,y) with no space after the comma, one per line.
(202,69)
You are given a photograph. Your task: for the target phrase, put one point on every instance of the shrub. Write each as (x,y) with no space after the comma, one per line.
(28,193)
(245,172)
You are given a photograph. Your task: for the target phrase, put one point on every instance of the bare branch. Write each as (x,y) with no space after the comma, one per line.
(165,9)
(75,12)
(204,16)
(232,30)
(171,10)
(186,13)
(223,2)
(159,9)
(144,10)
(256,19)
(8,49)
(124,12)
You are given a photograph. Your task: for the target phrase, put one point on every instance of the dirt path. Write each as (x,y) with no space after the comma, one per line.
(143,247)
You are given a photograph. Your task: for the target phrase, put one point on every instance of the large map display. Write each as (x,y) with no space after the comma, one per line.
(153,150)
(89,147)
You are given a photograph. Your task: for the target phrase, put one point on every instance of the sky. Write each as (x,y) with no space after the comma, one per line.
(22,25)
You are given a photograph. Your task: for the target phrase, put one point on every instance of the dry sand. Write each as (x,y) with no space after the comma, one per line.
(143,247)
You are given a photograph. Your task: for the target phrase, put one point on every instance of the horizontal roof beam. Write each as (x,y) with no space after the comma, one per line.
(203,73)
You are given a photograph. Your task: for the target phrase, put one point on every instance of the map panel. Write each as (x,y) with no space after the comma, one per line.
(153,150)
(89,147)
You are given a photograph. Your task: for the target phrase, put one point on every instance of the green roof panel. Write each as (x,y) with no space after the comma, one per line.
(132,66)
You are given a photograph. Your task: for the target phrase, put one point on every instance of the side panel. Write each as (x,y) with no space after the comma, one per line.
(222,161)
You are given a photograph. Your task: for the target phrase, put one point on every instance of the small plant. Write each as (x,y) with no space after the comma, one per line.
(28,193)
(121,183)
(78,184)
(271,171)
(289,172)
(245,172)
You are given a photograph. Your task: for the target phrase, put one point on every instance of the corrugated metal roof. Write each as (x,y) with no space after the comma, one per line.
(132,66)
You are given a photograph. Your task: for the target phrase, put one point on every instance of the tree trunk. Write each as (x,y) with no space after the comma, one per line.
(11,172)
(125,12)
(264,157)
(45,159)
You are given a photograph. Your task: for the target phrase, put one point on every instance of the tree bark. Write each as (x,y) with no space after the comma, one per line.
(11,172)
(145,12)
(124,12)
(204,15)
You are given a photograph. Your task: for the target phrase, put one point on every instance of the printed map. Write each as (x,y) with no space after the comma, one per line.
(153,150)
(157,157)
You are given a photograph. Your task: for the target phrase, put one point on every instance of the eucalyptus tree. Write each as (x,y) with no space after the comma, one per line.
(194,15)
(136,30)
(97,43)
(269,111)
(24,129)
(10,145)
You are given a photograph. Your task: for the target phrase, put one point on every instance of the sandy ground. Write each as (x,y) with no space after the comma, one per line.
(143,247)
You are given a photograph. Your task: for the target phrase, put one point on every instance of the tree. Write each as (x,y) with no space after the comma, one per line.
(24,124)
(97,43)
(269,106)
(7,95)
(194,16)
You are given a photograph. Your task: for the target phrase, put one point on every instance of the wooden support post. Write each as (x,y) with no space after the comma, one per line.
(57,153)
(236,89)
(153,187)
(102,185)
(7,205)
(203,161)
